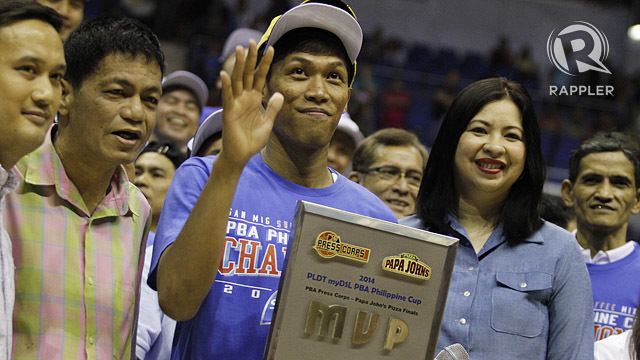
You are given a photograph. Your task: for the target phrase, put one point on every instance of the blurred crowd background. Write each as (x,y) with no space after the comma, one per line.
(419,53)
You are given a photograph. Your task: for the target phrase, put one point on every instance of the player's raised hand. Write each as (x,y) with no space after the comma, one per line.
(246,125)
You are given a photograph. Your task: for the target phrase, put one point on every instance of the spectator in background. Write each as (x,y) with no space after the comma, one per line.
(394,53)
(554,210)
(208,138)
(31,69)
(526,67)
(501,59)
(519,288)
(71,11)
(184,95)
(444,94)
(390,164)
(79,260)
(395,105)
(343,143)
(227,59)
(155,168)
(604,190)
(363,97)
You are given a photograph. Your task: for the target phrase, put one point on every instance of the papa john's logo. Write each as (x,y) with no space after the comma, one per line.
(407,264)
(329,245)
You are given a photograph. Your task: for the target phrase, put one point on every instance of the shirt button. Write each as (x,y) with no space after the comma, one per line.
(90,281)
(463,321)
(523,285)
(467,293)
(91,340)
(471,268)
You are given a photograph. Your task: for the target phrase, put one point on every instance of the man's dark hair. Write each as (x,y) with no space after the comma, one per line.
(367,152)
(606,142)
(554,210)
(438,197)
(167,149)
(93,41)
(312,41)
(19,10)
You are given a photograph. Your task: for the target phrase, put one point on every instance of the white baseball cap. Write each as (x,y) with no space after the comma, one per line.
(350,128)
(321,15)
(190,81)
(209,127)
(239,37)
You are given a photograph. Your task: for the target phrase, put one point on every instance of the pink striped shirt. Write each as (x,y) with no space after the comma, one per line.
(77,274)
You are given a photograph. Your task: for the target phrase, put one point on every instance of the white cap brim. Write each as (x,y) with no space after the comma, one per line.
(350,128)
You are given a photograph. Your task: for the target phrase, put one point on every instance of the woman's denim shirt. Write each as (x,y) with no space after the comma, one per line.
(528,301)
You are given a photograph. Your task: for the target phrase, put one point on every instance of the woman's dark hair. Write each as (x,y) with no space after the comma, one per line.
(438,196)
(18,10)
(93,41)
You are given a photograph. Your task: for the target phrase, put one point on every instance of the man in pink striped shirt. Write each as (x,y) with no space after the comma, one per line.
(76,222)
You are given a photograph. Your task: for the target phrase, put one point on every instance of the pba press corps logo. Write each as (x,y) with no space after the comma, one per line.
(577,48)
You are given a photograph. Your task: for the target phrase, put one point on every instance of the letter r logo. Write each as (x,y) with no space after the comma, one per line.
(578,48)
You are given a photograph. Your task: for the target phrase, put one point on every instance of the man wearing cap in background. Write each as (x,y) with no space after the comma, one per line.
(390,163)
(71,11)
(31,68)
(239,37)
(209,132)
(184,95)
(222,237)
(343,143)
(155,168)
(208,138)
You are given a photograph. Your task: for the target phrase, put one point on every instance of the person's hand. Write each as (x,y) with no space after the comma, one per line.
(246,125)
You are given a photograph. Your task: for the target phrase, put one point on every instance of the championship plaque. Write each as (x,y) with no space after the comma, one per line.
(360,288)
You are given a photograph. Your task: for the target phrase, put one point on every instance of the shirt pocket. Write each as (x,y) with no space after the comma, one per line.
(518,303)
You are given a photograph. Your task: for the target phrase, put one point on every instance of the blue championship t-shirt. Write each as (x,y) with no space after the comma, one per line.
(616,293)
(234,319)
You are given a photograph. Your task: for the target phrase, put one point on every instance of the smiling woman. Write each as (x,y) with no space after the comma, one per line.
(517,280)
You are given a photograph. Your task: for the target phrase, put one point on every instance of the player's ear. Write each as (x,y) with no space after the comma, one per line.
(566,192)
(65,102)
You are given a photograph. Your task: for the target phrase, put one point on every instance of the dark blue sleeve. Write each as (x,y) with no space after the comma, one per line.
(182,195)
